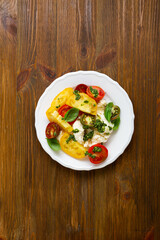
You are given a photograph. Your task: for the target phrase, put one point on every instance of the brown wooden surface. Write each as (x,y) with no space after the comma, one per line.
(39,41)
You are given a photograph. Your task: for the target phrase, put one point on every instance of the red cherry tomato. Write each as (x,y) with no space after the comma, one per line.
(62,111)
(81,88)
(52,130)
(95,92)
(99,152)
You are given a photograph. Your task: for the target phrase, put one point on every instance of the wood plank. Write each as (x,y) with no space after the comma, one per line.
(66,37)
(26,103)
(46,39)
(8,34)
(86,34)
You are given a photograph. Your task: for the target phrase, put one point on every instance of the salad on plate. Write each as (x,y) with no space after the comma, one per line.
(81,121)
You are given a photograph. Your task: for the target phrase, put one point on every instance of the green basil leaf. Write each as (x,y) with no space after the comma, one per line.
(108,111)
(71,115)
(116,123)
(54,144)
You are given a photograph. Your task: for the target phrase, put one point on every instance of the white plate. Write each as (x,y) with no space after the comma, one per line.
(118,141)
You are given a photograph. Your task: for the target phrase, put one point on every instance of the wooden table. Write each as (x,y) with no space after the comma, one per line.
(41,40)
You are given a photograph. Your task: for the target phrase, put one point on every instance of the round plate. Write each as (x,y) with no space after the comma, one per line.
(118,141)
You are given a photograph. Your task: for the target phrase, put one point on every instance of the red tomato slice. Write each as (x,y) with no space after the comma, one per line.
(52,130)
(81,88)
(62,111)
(100,156)
(95,92)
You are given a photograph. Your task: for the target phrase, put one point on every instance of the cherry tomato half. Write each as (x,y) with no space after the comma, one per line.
(81,88)
(62,111)
(52,130)
(99,152)
(95,92)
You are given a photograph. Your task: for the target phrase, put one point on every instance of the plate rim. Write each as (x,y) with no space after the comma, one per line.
(102,75)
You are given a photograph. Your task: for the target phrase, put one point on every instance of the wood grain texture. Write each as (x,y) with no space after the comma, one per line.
(39,41)
(8,40)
